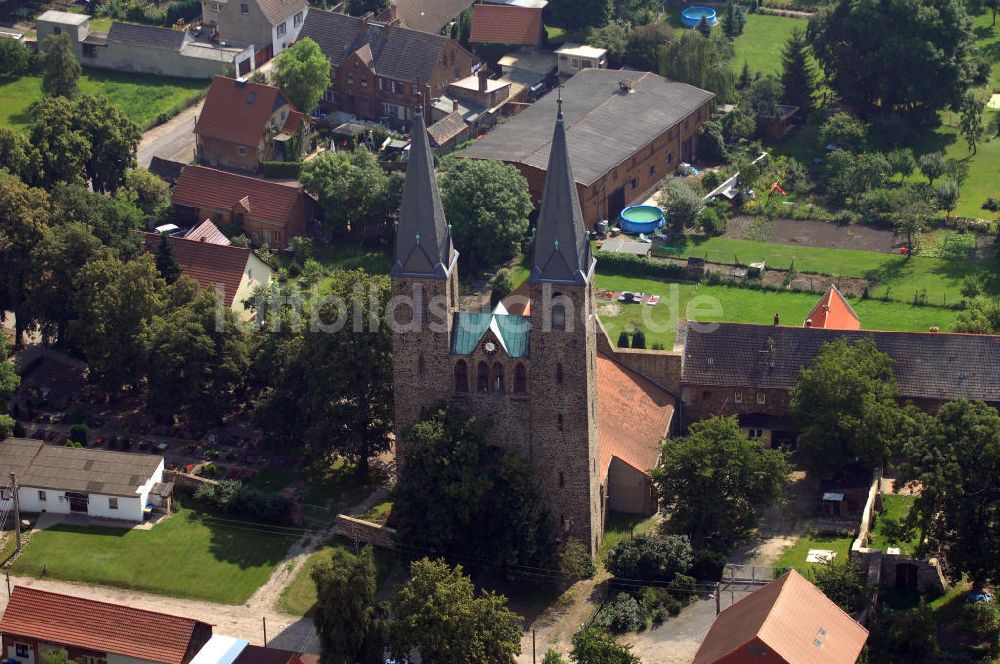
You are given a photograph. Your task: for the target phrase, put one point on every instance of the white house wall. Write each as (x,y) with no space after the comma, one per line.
(291,34)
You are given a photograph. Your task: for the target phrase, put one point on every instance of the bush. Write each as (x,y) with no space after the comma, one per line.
(681,203)
(707,565)
(683,588)
(711,143)
(650,557)
(15,59)
(711,222)
(281,169)
(982,619)
(208,470)
(501,286)
(620,615)
(841,581)
(575,561)
(628,265)
(232,497)
(711,179)
(187,10)
(991,204)
(79,433)
(957,245)
(912,633)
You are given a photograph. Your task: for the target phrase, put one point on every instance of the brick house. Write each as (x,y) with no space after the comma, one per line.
(37,622)
(633,129)
(243,124)
(507,24)
(381,69)
(749,370)
(266,211)
(269,25)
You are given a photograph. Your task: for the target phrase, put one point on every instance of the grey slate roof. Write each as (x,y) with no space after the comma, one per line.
(605,126)
(147,36)
(562,249)
(402,54)
(423,238)
(927,365)
(447,128)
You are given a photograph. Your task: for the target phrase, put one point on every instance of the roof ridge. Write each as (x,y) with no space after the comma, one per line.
(129,607)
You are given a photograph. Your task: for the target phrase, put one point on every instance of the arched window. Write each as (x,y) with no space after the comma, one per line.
(520,379)
(498,377)
(421,366)
(559,374)
(562,479)
(558,312)
(559,422)
(461,376)
(483,377)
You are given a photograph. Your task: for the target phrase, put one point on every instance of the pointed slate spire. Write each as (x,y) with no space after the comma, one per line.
(562,249)
(423,238)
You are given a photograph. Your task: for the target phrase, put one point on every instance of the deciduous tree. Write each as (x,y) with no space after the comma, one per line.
(841,582)
(15,59)
(302,71)
(61,71)
(362,7)
(24,215)
(350,622)
(63,148)
(644,43)
(148,193)
(845,132)
(9,380)
(704,63)
(594,646)
(980,316)
(932,166)
(971,123)
(113,219)
(682,204)
(19,156)
(353,191)
(113,138)
(579,14)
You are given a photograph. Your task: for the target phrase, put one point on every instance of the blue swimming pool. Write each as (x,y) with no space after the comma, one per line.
(641,219)
(692,16)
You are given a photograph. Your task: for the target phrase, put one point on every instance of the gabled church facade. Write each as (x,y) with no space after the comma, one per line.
(535,375)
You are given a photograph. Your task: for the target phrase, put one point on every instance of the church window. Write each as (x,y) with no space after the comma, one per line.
(461,376)
(421,366)
(483,377)
(498,377)
(558,313)
(559,422)
(559,374)
(520,379)
(562,479)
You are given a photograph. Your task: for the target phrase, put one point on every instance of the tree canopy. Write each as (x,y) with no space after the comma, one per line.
(350,622)
(61,69)
(302,72)
(713,483)
(798,76)
(354,192)
(595,646)
(579,14)
(704,63)
(24,215)
(9,380)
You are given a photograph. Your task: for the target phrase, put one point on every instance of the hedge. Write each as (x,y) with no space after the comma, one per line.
(629,265)
(282,169)
(187,10)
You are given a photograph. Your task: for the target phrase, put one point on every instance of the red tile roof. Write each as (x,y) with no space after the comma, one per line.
(206,231)
(833,312)
(238,112)
(292,123)
(634,415)
(84,623)
(264,200)
(211,265)
(506,24)
(788,617)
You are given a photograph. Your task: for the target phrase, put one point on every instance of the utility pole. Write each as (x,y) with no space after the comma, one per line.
(17,512)
(718,598)
(263,620)
(532,646)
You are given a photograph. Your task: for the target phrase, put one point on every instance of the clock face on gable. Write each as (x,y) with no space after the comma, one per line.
(489,347)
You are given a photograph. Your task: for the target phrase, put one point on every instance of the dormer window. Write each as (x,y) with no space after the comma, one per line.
(244,8)
(216,7)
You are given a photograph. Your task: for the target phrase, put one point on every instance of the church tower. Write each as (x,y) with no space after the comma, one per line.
(564,427)
(424,289)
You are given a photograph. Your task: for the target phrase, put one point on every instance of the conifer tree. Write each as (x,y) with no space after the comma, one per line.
(798,78)
(166,261)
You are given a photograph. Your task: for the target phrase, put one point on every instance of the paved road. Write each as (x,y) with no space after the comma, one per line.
(170,138)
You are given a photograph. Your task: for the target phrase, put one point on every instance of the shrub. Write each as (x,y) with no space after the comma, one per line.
(673,606)
(232,497)
(683,588)
(209,470)
(711,143)
(681,203)
(957,245)
(650,557)
(501,286)
(281,169)
(991,204)
(628,265)
(711,222)
(623,341)
(912,633)
(79,433)
(620,615)
(553,657)
(710,180)
(15,59)
(638,339)
(841,581)
(187,10)
(575,560)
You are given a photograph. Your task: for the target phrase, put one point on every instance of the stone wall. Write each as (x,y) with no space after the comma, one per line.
(930,578)
(185,481)
(702,401)
(159,61)
(365,531)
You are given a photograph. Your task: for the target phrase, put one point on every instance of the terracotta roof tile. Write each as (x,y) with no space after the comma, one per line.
(292,123)
(506,24)
(446,128)
(833,312)
(238,111)
(206,231)
(265,200)
(634,415)
(790,617)
(211,265)
(84,623)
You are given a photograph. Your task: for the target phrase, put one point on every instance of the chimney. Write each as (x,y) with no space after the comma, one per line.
(482,73)
(454,105)
(363,23)
(392,12)
(777,319)
(809,322)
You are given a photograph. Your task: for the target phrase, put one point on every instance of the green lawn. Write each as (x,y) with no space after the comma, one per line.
(299,597)
(619,526)
(762,41)
(898,277)
(885,533)
(556,36)
(188,555)
(723,303)
(795,555)
(141,97)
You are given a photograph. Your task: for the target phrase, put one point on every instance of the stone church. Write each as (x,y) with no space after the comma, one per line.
(548,378)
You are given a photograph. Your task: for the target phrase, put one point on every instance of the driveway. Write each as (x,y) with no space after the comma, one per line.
(171,140)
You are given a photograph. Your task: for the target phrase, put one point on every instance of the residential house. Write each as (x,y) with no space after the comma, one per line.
(95,482)
(575,57)
(381,71)
(631,130)
(833,312)
(37,622)
(232,271)
(266,211)
(787,621)
(144,49)
(431,16)
(269,25)
(243,124)
(448,132)
(229,650)
(507,24)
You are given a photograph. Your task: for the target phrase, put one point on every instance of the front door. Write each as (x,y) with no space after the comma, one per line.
(906,576)
(77,502)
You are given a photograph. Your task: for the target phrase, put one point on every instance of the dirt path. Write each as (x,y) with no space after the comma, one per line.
(557,624)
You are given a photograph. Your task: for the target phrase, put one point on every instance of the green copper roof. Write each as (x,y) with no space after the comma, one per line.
(511,331)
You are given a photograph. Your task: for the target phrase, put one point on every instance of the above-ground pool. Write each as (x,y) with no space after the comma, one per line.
(641,219)
(692,16)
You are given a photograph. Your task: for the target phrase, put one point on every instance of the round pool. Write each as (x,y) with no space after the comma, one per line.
(641,219)
(692,16)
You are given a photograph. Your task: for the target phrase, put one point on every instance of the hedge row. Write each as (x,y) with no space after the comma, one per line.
(629,265)
(282,169)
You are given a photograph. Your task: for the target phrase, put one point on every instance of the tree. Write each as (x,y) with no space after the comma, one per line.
(17,154)
(714,482)
(638,339)
(579,14)
(362,7)
(703,63)
(487,204)
(763,96)
(553,657)
(980,316)
(712,144)
(901,162)
(650,557)
(113,220)
(644,44)
(845,403)
(24,215)
(623,339)
(9,380)
(575,561)
(61,70)
(113,138)
(848,176)
(593,646)
(438,612)
(302,72)
(704,28)
(746,78)
(798,76)
(148,193)
(733,21)
(956,461)
(500,287)
(844,131)
(994,7)
(910,223)
(354,192)
(614,37)
(681,203)
(15,59)
(349,621)
(928,68)
(166,260)
(946,194)
(841,582)
(494,511)
(932,166)
(971,124)
(63,148)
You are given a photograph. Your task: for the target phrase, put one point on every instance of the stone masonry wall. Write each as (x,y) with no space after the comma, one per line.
(365,531)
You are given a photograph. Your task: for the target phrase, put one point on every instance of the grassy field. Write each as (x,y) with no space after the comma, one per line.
(188,555)
(883,535)
(795,555)
(899,277)
(141,97)
(722,303)
(619,526)
(762,41)
(299,597)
